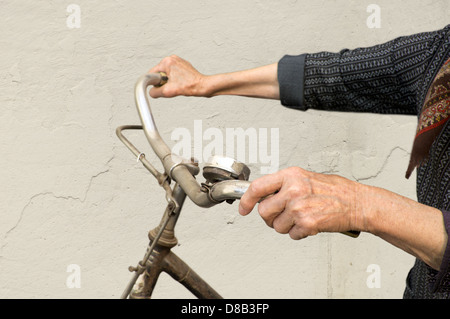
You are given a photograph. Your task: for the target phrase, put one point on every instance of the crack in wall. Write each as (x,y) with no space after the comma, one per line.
(53,195)
(383,166)
(329,269)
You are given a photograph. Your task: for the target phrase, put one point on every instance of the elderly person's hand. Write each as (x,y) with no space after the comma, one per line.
(306,203)
(184,79)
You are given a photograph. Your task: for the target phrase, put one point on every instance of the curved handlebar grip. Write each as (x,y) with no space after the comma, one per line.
(157,79)
(172,163)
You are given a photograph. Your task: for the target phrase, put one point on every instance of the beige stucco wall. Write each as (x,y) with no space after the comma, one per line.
(72,194)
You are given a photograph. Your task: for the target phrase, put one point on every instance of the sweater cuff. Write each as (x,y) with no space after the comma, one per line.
(291,79)
(441,281)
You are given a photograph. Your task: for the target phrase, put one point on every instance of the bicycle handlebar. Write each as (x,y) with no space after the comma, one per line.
(159,146)
(172,163)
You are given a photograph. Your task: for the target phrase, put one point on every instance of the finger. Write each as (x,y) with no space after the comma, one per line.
(298,232)
(258,189)
(291,216)
(283,222)
(160,67)
(156,92)
(155,69)
(270,208)
(303,216)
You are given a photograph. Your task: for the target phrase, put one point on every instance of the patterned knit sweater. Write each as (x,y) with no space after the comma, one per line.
(389,78)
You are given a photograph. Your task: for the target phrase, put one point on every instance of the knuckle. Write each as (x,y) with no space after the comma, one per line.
(309,224)
(294,191)
(294,170)
(174,58)
(170,60)
(254,188)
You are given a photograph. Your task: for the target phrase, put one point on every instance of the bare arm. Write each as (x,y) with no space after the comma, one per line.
(416,228)
(185,80)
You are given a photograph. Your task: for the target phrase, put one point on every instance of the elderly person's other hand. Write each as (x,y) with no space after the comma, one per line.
(306,203)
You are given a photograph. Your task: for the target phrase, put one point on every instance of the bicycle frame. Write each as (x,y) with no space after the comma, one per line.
(163,259)
(159,257)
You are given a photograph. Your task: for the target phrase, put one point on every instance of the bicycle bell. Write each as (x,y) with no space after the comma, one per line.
(220,168)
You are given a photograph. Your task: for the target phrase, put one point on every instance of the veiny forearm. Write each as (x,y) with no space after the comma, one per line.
(260,82)
(416,228)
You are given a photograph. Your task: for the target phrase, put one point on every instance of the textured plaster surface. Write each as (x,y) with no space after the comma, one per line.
(71,193)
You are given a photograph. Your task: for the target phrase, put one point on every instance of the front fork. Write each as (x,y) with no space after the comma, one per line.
(159,258)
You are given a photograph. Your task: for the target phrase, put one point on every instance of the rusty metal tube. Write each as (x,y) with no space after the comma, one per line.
(182,273)
(171,162)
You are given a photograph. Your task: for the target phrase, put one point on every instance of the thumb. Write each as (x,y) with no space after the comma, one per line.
(156,92)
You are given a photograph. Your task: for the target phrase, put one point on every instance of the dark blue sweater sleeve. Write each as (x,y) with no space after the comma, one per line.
(291,78)
(387,78)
